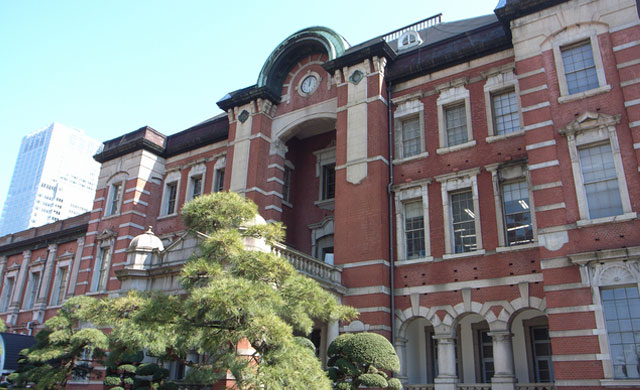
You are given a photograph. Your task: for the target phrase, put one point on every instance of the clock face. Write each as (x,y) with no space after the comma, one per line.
(309,84)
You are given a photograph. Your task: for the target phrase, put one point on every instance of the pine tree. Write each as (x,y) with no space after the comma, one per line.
(53,359)
(232,295)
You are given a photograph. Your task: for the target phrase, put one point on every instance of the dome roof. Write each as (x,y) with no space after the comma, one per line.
(146,241)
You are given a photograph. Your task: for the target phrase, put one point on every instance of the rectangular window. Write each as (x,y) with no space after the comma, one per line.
(196,186)
(600,181)
(101,270)
(219,181)
(114,201)
(463,224)
(579,67)
(59,286)
(286,186)
(541,348)
(622,314)
(486,355)
(505,112)
(517,213)
(414,229)
(172,193)
(411,137)
(328,181)
(32,291)
(6,294)
(456,124)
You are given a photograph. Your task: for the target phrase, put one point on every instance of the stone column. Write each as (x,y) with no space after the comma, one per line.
(447,375)
(18,290)
(333,331)
(77,259)
(3,266)
(503,378)
(45,284)
(401,351)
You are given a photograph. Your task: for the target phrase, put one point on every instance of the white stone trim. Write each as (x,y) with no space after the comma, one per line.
(453,93)
(540,145)
(630,103)
(536,106)
(538,125)
(504,174)
(531,73)
(546,186)
(589,129)
(628,63)
(408,109)
(548,207)
(545,164)
(568,37)
(481,283)
(534,89)
(462,180)
(365,263)
(368,290)
(626,45)
(417,191)
(629,82)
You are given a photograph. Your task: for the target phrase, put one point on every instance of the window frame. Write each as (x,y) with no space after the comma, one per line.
(502,174)
(106,244)
(6,295)
(60,285)
(321,230)
(499,81)
(32,290)
(591,129)
(453,94)
(406,110)
(324,157)
(115,201)
(572,36)
(217,184)
(172,179)
(197,172)
(452,183)
(416,191)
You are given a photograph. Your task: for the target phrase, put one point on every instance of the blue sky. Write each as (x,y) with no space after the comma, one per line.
(110,67)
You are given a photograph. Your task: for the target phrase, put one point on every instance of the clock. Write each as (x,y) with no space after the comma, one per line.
(309,84)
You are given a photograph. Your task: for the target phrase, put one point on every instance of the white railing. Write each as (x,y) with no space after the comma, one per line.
(421,25)
(473,386)
(310,266)
(535,386)
(419,387)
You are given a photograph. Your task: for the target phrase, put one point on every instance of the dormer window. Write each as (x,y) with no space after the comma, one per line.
(409,39)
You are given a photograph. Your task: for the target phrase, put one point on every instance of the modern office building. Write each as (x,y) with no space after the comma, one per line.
(471,187)
(54,178)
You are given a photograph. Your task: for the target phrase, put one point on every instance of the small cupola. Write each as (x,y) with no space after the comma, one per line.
(142,249)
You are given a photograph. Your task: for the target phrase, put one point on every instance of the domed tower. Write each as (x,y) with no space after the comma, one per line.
(142,250)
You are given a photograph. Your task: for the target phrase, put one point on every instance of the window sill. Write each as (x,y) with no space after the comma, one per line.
(514,248)
(412,158)
(465,254)
(110,216)
(613,219)
(427,259)
(326,204)
(289,205)
(455,148)
(496,138)
(167,216)
(584,94)
(620,382)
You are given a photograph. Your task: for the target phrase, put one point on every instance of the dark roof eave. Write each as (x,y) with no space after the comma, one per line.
(436,57)
(377,49)
(43,240)
(129,147)
(248,95)
(514,9)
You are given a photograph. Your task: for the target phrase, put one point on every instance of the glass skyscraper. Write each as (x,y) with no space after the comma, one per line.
(54,178)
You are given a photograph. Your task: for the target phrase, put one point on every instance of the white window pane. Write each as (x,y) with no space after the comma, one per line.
(618,304)
(464,226)
(456,123)
(600,181)
(579,68)
(414,229)
(410,137)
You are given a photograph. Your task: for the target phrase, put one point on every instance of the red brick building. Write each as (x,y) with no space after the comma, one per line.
(471,187)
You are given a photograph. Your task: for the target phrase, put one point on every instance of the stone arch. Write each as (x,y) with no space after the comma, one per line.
(314,120)
(296,46)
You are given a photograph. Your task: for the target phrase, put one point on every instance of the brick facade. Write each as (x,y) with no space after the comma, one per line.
(323,143)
